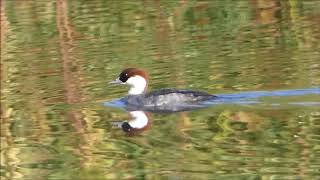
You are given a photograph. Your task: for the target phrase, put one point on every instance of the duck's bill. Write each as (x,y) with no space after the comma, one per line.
(117,81)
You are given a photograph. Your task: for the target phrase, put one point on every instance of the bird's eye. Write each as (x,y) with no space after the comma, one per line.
(123,77)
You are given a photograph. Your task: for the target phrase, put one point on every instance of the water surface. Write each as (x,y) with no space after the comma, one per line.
(57,57)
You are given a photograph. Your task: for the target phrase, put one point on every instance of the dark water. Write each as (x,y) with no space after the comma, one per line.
(57,57)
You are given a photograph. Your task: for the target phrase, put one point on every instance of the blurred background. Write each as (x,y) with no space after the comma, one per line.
(57,57)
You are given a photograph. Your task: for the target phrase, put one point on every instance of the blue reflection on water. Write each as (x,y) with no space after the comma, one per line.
(115,103)
(258,94)
(250,97)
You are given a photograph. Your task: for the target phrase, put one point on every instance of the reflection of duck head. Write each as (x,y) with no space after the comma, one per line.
(140,122)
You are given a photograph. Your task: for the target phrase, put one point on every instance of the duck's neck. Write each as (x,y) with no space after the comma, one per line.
(138,85)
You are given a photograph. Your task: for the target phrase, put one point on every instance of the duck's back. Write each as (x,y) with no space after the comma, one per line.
(175,96)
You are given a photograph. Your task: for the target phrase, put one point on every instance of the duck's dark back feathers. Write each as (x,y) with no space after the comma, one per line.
(179,91)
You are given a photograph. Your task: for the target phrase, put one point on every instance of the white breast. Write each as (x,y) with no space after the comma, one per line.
(138,85)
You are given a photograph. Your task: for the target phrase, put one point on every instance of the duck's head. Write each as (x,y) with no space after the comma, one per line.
(137,79)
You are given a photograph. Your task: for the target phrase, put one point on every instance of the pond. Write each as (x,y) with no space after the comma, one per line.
(59,119)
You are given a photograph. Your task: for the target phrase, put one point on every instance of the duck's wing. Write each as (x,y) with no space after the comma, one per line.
(180,91)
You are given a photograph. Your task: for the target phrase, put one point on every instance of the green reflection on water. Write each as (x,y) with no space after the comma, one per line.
(56,57)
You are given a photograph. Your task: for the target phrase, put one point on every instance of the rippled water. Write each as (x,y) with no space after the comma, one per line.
(57,57)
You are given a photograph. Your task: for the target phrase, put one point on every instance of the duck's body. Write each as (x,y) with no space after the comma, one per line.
(166,99)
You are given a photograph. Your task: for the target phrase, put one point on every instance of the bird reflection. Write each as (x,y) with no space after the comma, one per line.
(139,122)
(140,115)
